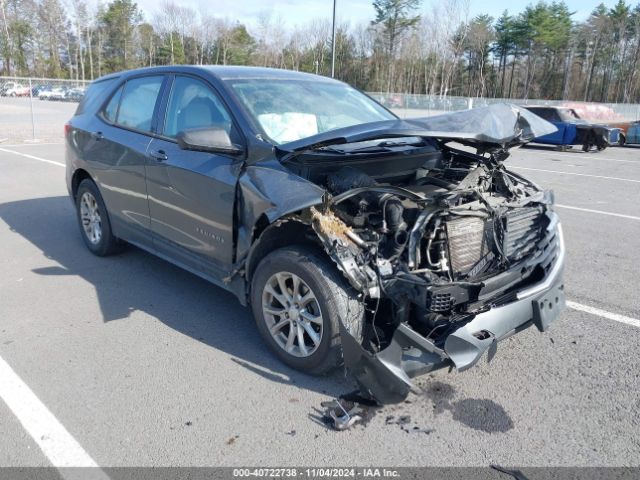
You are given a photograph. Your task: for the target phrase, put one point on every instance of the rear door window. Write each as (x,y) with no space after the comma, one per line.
(137,103)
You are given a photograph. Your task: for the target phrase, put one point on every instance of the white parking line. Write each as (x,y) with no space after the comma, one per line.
(589,157)
(54,440)
(600,212)
(35,144)
(32,157)
(577,174)
(603,313)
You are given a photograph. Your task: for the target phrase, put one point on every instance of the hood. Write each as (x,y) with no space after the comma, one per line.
(500,125)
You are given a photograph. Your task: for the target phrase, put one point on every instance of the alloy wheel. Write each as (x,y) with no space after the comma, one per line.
(90,218)
(292,314)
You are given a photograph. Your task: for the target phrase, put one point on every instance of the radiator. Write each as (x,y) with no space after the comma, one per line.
(469,242)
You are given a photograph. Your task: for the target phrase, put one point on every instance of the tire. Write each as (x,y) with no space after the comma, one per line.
(334,300)
(621,140)
(105,243)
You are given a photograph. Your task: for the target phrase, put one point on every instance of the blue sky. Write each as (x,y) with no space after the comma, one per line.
(354,11)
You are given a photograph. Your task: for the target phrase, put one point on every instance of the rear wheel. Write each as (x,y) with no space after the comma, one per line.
(621,140)
(93,220)
(298,299)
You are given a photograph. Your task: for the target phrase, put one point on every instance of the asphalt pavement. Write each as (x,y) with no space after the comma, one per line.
(144,364)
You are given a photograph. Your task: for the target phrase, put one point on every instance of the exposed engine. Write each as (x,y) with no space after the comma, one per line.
(429,248)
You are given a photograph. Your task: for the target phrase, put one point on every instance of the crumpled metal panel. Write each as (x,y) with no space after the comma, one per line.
(501,124)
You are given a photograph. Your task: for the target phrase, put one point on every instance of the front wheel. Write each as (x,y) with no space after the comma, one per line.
(93,219)
(298,299)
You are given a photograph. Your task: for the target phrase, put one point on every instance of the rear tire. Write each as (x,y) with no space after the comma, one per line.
(621,140)
(93,220)
(280,290)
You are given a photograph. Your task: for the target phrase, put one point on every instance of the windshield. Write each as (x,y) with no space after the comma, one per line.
(289,110)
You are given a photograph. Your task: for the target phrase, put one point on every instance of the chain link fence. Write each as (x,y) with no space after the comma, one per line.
(407,106)
(36,109)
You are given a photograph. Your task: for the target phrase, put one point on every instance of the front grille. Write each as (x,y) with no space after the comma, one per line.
(469,242)
(521,232)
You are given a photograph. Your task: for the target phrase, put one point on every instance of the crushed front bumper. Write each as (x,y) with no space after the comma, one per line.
(386,375)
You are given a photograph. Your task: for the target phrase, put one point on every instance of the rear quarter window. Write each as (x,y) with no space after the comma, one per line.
(95,95)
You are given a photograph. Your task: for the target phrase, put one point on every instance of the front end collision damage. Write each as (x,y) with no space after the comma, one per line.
(450,259)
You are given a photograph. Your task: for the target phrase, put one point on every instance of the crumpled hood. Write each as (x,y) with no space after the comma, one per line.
(500,125)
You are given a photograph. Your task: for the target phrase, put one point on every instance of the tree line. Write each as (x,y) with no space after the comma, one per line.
(408,47)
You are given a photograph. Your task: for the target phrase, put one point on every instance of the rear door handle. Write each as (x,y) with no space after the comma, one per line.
(97,135)
(159,155)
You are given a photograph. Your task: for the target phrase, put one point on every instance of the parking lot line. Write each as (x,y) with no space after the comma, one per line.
(600,212)
(35,144)
(32,157)
(603,313)
(577,174)
(54,440)
(589,157)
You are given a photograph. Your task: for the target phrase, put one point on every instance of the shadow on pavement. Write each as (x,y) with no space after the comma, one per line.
(137,281)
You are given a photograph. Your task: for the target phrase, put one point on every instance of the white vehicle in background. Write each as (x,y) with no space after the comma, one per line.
(12,89)
(7,87)
(56,93)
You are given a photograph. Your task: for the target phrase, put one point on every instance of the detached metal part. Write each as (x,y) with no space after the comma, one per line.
(342,419)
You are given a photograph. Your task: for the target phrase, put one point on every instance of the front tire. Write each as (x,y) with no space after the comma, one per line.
(93,220)
(298,299)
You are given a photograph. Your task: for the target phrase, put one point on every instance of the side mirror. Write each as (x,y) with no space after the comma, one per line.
(211,139)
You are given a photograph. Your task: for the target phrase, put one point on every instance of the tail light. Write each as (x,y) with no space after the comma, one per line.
(67,129)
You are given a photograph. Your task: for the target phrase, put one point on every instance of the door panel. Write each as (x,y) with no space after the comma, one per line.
(191,194)
(118,160)
(116,151)
(191,197)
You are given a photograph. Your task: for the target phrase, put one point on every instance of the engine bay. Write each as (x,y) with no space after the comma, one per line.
(427,233)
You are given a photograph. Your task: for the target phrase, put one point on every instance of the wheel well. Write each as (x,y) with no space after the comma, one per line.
(277,235)
(78,176)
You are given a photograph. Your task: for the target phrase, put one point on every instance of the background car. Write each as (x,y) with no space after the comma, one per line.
(573,130)
(629,132)
(56,93)
(74,94)
(16,90)
(6,87)
(37,89)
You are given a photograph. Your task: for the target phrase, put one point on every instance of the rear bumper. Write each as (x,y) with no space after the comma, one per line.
(386,375)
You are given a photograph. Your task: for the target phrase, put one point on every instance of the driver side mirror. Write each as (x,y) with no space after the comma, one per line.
(210,139)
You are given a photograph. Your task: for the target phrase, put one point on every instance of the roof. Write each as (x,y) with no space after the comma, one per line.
(229,72)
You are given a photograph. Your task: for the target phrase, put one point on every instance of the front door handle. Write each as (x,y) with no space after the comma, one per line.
(159,155)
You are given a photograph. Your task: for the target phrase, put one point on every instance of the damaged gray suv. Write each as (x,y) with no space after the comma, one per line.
(357,238)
